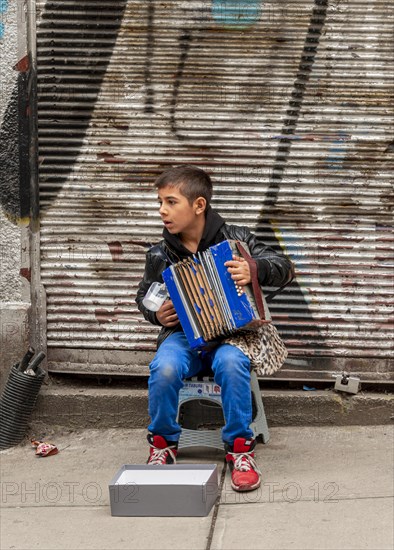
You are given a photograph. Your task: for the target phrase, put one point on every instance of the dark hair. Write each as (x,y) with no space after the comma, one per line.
(192,182)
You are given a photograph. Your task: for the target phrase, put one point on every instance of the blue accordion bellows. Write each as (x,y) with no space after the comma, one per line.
(207,301)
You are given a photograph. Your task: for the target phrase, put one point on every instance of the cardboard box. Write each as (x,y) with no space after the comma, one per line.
(168,490)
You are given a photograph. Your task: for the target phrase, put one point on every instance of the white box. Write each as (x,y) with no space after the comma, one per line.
(168,490)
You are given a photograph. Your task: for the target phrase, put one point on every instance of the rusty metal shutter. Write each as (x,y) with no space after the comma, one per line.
(288,106)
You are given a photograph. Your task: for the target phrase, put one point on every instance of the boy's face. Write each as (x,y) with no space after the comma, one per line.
(177,214)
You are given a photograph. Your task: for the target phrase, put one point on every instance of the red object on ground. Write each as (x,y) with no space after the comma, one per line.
(43,448)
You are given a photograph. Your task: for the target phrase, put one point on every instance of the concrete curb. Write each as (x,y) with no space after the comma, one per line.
(77,408)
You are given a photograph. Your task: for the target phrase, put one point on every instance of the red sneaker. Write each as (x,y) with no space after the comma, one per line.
(245,475)
(161,451)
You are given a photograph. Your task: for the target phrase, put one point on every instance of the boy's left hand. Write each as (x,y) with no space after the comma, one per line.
(239,270)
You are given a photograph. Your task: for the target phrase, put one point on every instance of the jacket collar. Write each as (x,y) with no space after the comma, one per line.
(213,223)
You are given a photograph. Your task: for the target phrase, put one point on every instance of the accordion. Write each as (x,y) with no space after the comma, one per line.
(208,303)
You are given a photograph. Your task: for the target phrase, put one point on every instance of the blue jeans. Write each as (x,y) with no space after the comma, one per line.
(175,361)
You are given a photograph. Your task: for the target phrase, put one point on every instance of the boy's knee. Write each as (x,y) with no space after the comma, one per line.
(231,357)
(166,373)
(231,361)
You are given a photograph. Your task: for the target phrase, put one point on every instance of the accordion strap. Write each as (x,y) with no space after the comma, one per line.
(255,281)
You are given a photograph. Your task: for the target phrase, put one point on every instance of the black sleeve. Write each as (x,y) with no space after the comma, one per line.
(274,268)
(154,267)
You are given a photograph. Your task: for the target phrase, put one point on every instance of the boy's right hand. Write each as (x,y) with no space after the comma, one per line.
(166,315)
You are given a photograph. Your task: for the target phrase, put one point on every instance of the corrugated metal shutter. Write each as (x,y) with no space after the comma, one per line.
(288,106)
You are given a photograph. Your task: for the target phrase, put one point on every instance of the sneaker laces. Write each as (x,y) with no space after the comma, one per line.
(159,456)
(243,462)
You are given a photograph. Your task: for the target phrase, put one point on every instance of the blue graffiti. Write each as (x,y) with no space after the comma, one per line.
(337,152)
(3,9)
(236,13)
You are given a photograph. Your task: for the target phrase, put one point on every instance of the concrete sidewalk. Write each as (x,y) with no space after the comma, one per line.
(323,488)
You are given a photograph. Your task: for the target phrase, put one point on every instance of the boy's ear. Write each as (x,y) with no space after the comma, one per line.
(200,205)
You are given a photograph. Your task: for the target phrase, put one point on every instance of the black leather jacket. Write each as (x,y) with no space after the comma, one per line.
(274,269)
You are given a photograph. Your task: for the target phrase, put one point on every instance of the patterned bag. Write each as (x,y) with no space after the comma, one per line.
(263,346)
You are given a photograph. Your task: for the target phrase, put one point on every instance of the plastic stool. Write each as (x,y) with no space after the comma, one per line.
(206,394)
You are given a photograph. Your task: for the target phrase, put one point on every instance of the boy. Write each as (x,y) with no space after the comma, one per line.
(191,225)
